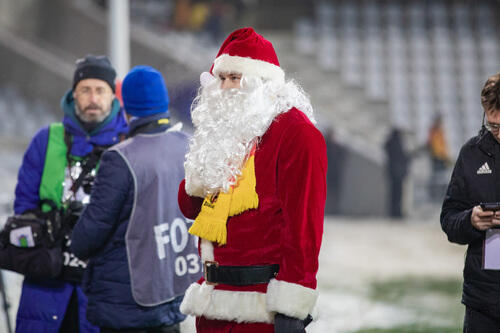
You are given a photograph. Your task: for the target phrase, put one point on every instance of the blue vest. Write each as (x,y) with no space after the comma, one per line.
(162,255)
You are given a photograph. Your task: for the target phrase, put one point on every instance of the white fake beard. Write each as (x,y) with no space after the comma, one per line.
(227,125)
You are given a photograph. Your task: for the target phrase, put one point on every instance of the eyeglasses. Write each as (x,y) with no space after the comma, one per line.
(492,127)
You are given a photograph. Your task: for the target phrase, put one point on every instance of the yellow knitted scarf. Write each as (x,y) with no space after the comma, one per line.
(211,222)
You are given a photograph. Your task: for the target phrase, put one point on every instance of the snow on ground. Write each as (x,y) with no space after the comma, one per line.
(358,252)
(355,253)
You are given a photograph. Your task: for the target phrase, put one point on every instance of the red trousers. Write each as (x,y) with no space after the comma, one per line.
(204,325)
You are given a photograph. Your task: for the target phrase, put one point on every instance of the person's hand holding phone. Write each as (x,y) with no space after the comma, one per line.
(496,219)
(483,220)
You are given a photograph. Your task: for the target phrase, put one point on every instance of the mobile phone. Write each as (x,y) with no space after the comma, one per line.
(490,206)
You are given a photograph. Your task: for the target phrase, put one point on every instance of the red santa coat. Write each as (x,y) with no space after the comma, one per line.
(286,229)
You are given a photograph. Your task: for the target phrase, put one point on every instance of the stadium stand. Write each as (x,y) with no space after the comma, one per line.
(420,57)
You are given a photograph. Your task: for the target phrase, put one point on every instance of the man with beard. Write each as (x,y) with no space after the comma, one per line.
(256,187)
(51,170)
(141,257)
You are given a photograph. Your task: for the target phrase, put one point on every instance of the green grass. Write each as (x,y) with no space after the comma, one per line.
(435,302)
(396,290)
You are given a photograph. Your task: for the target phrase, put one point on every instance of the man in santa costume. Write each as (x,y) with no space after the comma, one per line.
(256,187)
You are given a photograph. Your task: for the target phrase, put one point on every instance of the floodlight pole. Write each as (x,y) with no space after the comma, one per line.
(119,36)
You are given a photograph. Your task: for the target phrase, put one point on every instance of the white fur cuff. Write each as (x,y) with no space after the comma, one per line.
(290,299)
(196,299)
(204,300)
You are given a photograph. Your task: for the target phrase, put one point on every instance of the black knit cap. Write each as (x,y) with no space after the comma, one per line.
(94,67)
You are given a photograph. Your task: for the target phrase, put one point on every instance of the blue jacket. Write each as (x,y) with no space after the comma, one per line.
(43,303)
(100,236)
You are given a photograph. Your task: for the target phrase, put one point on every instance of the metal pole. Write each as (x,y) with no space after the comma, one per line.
(6,304)
(119,36)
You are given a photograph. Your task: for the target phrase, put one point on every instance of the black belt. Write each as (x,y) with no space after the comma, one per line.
(238,275)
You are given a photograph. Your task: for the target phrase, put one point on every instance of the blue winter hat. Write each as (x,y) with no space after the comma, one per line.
(144,92)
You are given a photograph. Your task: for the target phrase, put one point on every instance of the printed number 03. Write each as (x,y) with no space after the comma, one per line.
(190,264)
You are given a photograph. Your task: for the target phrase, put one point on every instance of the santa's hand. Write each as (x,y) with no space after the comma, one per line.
(285,324)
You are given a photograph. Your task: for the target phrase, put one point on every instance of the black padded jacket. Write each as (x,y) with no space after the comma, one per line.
(475,179)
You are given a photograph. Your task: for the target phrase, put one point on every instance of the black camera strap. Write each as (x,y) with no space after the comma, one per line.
(87,167)
(90,163)
(52,219)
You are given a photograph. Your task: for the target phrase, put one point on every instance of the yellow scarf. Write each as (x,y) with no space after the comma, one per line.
(211,222)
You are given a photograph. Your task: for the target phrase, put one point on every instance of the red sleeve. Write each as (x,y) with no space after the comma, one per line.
(302,167)
(190,206)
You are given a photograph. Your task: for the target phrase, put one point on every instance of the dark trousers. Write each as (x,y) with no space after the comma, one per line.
(478,322)
(160,329)
(396,192)
(70,321)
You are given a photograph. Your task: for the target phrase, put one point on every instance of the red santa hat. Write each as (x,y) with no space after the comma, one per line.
(246,52)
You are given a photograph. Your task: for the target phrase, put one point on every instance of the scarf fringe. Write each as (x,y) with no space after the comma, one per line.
(243,203)
(211,229)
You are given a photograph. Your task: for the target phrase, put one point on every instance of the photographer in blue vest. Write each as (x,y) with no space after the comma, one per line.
(141,256)
(56,168)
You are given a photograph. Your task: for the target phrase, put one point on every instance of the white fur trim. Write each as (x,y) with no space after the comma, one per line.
(204,300)
(290,299)
(206,250)
(196,299)
(248,67)
(316,313)
(206,78)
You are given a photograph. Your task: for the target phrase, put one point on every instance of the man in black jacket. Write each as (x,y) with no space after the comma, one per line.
(476,179)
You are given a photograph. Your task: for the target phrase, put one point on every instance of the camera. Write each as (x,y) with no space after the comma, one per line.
(88,182)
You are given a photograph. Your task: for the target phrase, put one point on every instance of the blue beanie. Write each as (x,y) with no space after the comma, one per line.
(144,92)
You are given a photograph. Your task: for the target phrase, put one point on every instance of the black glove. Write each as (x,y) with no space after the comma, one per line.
(285,324)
